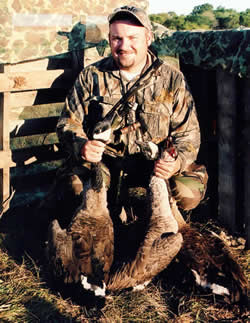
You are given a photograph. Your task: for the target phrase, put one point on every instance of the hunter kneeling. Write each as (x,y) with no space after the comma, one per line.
(136,99)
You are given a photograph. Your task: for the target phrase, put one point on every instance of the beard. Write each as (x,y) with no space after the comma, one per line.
(125,60)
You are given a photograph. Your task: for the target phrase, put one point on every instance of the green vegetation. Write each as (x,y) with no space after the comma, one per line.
(204,16)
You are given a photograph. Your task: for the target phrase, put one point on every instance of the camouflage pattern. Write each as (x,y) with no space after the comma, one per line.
(189,187)
(163,103)
(228,49)
(42,28)
(33,29)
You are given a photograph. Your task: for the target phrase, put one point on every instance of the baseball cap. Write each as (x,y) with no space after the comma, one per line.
(137,13)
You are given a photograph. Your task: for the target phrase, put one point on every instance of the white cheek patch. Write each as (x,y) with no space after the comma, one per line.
(154,150)
(219,290)
(98,291)
(215,288)
(103,136)
(141,286)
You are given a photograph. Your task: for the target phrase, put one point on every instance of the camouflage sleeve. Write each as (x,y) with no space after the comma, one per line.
(70,124)
(185,128)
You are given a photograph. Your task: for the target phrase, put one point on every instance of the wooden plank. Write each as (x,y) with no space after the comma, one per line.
(33,126)
(4,144)
(31,155)
(23,99)
(4,117)
(5,158)
(245,159)
(36,168)
(40,65)
(203,87)
(38,97)
(4,187)
(23,81)
(226,93)
(33,141)
(35,65)
(36,111)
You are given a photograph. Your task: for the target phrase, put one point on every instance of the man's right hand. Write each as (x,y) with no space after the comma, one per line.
(92,150)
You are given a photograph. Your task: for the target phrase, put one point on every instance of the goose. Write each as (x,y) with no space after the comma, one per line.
(161,243)
(82,253)
(203,256)
(207,263)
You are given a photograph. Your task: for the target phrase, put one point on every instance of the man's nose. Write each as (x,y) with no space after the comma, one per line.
(124,44)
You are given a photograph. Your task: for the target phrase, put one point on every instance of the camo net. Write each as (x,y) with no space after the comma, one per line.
(33,29)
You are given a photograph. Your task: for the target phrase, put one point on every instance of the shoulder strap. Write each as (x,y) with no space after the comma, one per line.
(133,89)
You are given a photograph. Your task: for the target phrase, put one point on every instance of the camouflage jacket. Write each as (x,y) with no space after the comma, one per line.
(164,105)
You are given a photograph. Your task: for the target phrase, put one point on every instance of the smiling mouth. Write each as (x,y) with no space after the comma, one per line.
(120,53)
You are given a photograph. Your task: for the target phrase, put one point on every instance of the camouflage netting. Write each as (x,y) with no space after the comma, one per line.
(229,49)
(32,29)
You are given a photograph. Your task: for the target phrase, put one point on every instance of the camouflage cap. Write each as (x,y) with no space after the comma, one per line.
(129,11)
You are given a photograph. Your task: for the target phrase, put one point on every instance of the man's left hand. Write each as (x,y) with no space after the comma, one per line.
(166,169)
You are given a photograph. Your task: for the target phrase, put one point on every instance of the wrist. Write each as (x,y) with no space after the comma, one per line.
(178,167)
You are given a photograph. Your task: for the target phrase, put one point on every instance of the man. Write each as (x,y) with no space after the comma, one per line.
(161,106)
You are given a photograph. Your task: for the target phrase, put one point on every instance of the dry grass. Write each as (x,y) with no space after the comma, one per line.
(27,295)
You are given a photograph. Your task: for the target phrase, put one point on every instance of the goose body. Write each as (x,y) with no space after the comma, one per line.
(161,243)
(202,256)
(83,252)
(211,265)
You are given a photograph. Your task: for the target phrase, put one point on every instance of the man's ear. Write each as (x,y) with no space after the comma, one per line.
(149,37)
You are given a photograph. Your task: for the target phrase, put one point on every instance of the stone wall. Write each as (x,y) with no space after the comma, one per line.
(32,29)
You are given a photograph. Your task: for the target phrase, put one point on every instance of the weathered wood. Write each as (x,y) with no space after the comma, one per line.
(22,81)
(26,98)
(29,98)
(5,158)
(4,118)
(246,159)
(4,186)
(226,93)
(4,143)
(33,141)
(4,147)
(36,111)
(31,125)
(39,65)
(35,168)
(203,88)
(31,155)
(35,65)
(34,126)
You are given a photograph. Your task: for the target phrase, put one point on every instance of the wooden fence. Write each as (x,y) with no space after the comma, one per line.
(223,107)
(32,96)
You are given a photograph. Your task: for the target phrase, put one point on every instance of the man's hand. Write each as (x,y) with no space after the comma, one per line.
(92,150)
(166,169)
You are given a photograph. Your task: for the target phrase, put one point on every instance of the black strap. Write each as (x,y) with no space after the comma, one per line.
(133,89)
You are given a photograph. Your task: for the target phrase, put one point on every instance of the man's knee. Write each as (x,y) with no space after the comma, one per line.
(189,188)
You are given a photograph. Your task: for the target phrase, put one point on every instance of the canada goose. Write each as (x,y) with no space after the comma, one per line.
(203,255)
(160,245)
(206,259)
(83,252)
